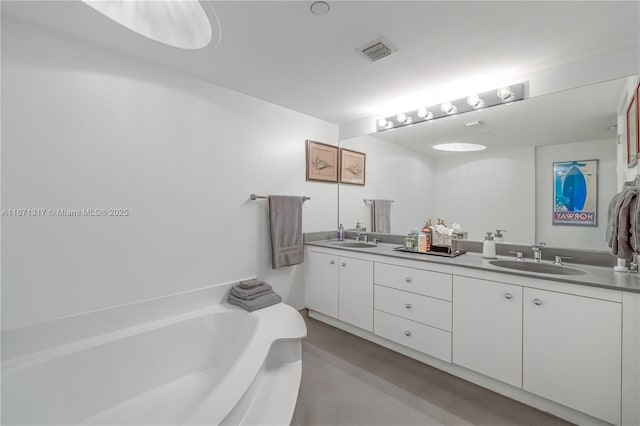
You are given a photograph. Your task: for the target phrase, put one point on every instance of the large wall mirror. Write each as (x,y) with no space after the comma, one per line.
(509,185)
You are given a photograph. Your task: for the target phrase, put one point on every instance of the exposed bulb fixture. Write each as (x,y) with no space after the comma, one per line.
(424,113)
(449,108)
(459,147)
(475,101)
(505,94)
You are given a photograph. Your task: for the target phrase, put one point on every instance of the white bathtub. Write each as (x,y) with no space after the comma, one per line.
(218,365)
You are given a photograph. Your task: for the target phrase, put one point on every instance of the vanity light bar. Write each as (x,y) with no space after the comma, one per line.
(476,101)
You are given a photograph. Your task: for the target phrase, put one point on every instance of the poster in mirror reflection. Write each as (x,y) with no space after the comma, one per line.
(632,119)
(575,193)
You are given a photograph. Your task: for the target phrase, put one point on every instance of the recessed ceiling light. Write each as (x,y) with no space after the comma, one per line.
(459,147)
(320,8)
(182,24)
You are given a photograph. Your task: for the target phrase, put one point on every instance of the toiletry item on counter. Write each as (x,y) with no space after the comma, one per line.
(422,242)
(427,231)
(340,233)
(489,247)
(498,237)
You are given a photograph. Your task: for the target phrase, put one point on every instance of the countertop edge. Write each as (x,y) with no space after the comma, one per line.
(598,276)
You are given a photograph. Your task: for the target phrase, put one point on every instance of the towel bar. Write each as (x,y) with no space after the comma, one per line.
(367,200)
(255,197)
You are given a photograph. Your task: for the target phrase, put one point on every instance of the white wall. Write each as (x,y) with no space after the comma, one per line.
(482,190)
(393,173)
(84,127)
(585,237)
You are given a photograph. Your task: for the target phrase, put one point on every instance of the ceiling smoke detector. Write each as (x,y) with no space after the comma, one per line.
(376,49)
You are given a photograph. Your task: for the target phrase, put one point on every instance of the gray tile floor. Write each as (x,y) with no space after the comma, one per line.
(350,381)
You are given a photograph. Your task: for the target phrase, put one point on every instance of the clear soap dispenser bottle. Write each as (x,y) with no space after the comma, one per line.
(489,247)
(340,232)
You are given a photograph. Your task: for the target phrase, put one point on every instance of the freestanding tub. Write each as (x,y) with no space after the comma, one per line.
(218,365)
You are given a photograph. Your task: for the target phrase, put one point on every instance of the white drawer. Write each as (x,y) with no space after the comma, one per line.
(420,337)
(427,310)
(434,284)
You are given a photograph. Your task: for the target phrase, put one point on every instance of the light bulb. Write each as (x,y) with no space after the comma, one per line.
(475,101)
(389,125)
(424,113)
(448,108)
(505,94)
(382,122)
(409,120)
(401,118)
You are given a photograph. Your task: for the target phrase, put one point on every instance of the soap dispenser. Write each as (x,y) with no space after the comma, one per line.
(340,233)
(489,247)
(498,238)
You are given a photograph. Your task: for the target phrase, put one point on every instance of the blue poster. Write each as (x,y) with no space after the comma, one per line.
(575,193)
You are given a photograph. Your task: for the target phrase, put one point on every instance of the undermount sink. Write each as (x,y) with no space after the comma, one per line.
(353,244)
(541,268)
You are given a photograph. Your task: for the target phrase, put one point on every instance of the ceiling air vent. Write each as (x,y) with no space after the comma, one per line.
(376,49)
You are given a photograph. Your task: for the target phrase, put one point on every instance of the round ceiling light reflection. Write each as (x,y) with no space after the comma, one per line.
(459,147)
(183,24)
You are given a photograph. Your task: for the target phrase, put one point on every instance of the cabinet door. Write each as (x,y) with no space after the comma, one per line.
(356,292)
(487,328)
(321,283)
(572,351)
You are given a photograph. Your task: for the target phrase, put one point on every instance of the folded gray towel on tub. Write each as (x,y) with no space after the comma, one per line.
(285,223)
(253,296)
(268,299)
(244,293)
(247,284)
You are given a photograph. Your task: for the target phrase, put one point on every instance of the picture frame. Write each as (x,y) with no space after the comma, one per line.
(638,119)
(632,119)
(322,162)
(575,193)
(352,167)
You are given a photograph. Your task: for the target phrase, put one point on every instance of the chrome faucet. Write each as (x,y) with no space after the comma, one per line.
(361,235)
(558,260)
(537,252)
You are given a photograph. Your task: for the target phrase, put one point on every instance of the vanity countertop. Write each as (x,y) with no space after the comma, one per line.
(597,276)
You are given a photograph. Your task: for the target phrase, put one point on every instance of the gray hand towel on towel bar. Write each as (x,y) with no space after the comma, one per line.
(247,284)
(381,216)
(242,294)
(261,302)
(285,222)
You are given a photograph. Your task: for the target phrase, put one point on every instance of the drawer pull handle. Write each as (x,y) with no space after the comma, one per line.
(508,296)
(537,302)
(344,264)
(408,279)
(408,305)
(407,333)
(331,262)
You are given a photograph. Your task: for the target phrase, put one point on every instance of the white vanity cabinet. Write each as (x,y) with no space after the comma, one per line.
(569,349)
(321,282)
(413,308)
(355,300)
(487,328)
(572,351)
(340,287)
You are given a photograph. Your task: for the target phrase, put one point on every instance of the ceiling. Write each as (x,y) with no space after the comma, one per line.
(562,117)
(283,54)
